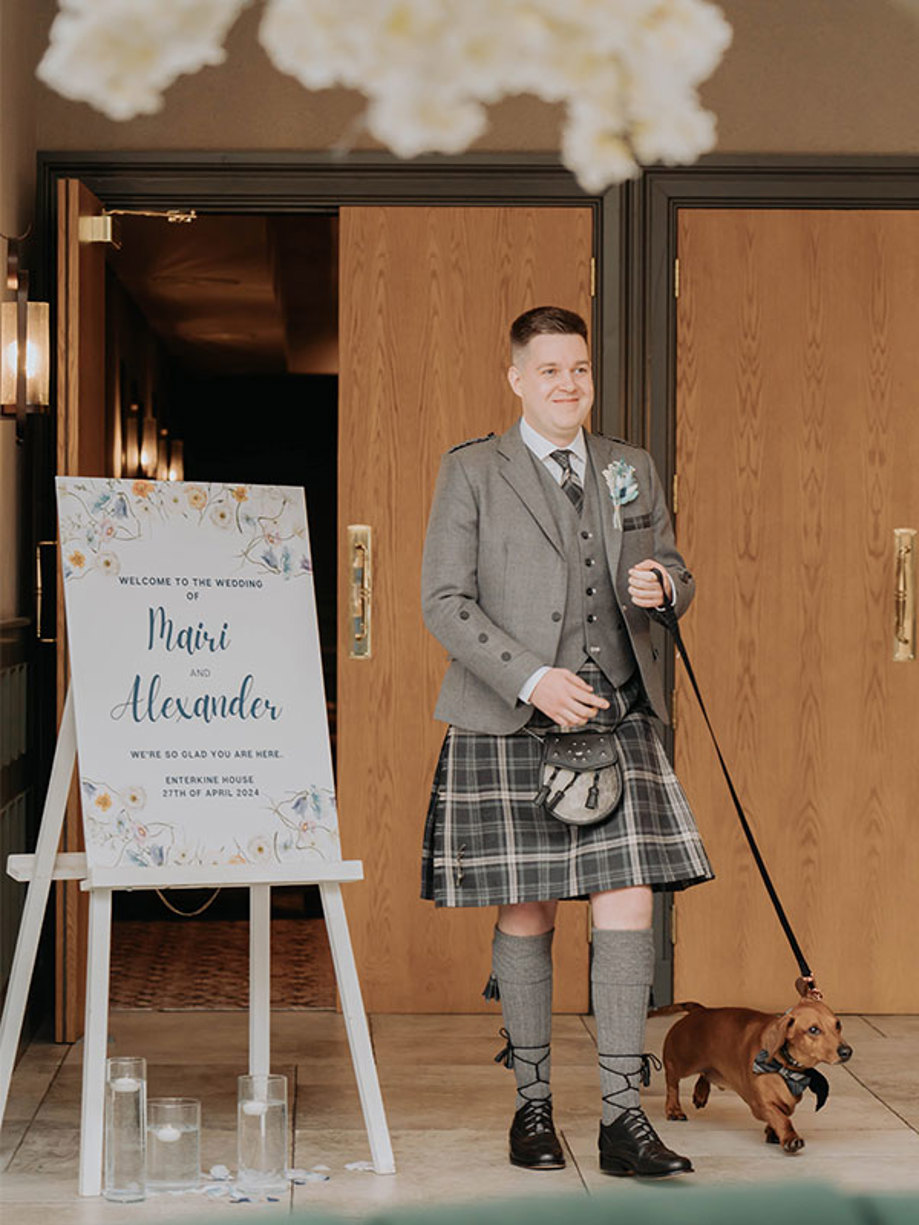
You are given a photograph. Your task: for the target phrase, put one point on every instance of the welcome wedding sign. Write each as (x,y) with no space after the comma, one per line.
(196,673)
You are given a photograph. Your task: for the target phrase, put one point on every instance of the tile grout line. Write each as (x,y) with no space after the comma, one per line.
(887,1106)
(41,1101)
(574,1161)
(871,1024)
(582,1017)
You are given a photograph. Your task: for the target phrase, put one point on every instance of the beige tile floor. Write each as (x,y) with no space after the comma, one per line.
(448,1107)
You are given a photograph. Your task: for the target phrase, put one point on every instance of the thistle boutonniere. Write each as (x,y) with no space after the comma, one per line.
(623,487)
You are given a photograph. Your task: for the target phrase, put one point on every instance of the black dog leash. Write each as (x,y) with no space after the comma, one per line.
(667,617)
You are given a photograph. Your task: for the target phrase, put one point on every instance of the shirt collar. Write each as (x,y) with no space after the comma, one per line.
(542,448)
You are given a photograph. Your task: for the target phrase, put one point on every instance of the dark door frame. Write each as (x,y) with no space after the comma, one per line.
(650,208)
(320,183)
(635,241)
(649,217)
(295,183)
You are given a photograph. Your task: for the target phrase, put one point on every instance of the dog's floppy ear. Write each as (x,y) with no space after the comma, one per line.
(778,1032)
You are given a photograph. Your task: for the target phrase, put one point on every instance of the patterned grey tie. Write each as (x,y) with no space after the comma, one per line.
(570,483)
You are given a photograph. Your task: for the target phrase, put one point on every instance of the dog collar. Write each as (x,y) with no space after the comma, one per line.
(797,1079)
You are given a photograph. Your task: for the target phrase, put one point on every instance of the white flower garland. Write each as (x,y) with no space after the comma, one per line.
(627,70)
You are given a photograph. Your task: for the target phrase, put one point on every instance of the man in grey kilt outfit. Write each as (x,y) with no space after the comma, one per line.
(539,573)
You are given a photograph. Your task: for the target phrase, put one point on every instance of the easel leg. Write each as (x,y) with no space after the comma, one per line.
(352,1004)
(49,836)
(95,1041)
(259,980)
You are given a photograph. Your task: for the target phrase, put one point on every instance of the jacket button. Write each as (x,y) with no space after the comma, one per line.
(505,655)
(483,637)
(591,591)
(556,616)
(589,561)
(586,535)
(591,617)
(464,615)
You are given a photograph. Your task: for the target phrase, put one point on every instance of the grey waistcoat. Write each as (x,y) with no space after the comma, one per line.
(604,640)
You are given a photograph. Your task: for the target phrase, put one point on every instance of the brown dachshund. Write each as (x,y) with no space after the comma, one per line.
(766,1059)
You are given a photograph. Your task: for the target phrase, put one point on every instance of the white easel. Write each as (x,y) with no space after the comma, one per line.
(46,865)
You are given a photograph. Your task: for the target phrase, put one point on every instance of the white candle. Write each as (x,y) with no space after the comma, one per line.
(125,1084)
(167,1133)
(254,1107)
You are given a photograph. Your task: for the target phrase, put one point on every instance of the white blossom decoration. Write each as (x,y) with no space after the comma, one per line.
(626,70)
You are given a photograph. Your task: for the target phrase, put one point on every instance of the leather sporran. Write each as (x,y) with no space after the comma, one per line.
(581,776)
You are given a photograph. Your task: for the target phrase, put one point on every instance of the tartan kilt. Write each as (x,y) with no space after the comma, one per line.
(486,843)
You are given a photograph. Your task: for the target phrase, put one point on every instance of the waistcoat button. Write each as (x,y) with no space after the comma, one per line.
(483,637)
(556,616)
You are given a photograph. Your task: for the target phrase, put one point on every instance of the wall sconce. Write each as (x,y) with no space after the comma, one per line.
(25,349)
(149,446)
(131,435)
(176,460)
(162,456)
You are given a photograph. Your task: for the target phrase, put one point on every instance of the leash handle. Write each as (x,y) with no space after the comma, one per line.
(666,616)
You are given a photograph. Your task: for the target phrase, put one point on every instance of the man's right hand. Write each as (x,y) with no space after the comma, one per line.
(566,698)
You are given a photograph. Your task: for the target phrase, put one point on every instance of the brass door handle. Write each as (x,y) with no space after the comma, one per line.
(904,641)
(361,593)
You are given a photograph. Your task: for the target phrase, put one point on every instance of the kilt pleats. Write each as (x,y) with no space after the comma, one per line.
(486,843)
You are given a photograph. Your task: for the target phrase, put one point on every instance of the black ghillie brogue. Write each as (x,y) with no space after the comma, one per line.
(533,1142)
(630,1145)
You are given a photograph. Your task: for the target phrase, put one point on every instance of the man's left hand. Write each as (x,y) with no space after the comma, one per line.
(644,587)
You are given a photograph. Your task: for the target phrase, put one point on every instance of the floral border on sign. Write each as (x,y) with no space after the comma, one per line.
(97,526)
(116,829)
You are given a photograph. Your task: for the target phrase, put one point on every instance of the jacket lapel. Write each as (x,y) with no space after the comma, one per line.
(520,473)
(599,456)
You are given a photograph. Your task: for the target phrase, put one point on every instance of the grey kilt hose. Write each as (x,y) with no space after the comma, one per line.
(486,843)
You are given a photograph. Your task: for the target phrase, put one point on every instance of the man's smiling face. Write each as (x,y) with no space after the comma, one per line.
(552,376)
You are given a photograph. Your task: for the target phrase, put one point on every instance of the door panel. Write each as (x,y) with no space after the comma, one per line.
(797,451)
(427,295)
(81,450)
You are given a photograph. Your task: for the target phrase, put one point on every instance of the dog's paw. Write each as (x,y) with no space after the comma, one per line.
(700,1093)
(793,1144)
(676,1116)
(771,1136)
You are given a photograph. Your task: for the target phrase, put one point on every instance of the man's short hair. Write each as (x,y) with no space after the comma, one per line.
(545,321)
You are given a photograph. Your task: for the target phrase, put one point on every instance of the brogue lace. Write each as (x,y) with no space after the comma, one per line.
(510,1055)
(631,1083)
(536,1116)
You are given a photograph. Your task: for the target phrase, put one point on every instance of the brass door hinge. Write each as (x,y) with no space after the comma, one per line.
(673,923)
(593,277)
(96,229)
(675,498)
(673,709)
(676,278)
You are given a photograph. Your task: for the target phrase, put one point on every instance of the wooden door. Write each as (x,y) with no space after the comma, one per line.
(81,450)
(797,454)
(427,295)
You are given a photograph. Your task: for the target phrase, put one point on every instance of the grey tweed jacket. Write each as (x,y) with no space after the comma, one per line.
(494,575)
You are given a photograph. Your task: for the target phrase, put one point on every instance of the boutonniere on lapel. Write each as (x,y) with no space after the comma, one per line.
(623,487)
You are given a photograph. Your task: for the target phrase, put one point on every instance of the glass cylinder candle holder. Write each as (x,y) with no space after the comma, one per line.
(173,1143)
(125,1129)
(261,1134)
